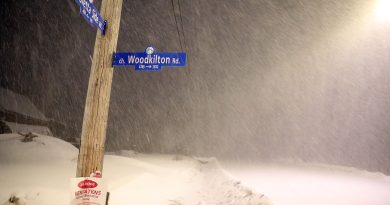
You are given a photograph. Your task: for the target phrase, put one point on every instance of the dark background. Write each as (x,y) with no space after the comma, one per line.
(265,79)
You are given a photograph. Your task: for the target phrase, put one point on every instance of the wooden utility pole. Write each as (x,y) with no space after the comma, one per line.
(93,134)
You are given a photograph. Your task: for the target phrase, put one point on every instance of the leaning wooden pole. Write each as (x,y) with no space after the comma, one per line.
(93,134)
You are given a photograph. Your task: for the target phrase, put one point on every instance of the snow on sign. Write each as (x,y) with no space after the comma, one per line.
(91,14)
(87,191)
(149,60)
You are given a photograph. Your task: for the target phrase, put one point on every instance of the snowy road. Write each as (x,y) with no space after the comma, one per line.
(287,184)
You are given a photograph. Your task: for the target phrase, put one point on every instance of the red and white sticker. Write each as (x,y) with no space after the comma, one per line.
(87,191)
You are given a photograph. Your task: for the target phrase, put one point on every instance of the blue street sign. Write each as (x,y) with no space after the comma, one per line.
(92,15)
(149,60)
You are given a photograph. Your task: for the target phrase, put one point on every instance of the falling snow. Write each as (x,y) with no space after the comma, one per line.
(302,80)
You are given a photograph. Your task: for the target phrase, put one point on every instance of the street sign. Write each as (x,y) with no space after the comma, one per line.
(91,14)
(149,60)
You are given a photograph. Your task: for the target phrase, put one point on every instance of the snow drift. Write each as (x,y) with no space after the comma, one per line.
(38,173)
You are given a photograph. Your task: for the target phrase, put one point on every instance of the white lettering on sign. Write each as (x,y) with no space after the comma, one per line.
(87,191)
(151,59)
(86,5)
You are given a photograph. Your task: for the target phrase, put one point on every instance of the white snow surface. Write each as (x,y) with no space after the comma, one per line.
(293,182)
(38,173)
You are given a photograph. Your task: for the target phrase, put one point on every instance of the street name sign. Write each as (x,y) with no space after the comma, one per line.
(150,60)
(91,14)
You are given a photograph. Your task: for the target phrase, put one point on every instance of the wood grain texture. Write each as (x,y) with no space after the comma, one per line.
(93,134)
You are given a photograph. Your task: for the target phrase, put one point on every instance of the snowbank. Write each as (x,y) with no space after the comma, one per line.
(38,173)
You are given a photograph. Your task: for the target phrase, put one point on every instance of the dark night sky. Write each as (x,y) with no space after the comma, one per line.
(265,78)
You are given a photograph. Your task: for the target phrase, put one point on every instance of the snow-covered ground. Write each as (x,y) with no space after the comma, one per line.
(39,172)
(298,183)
